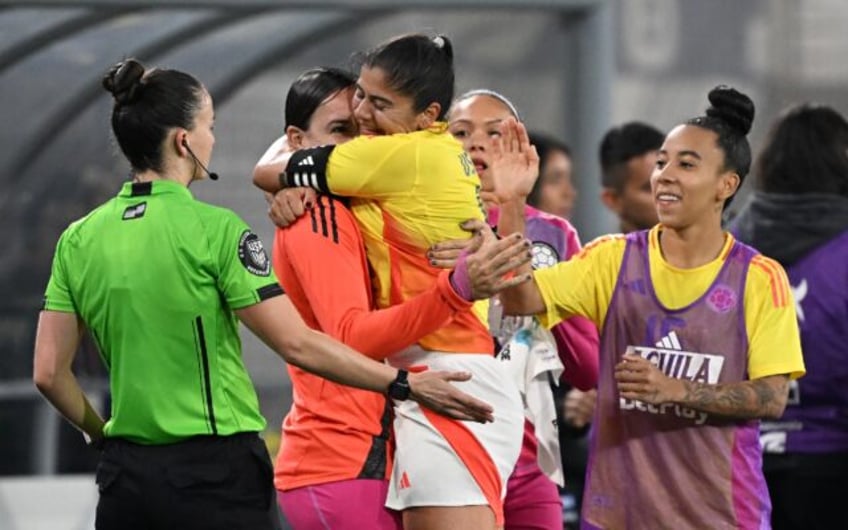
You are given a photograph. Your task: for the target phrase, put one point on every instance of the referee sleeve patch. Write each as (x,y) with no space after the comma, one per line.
(269,291)
(252,254)
(308,168)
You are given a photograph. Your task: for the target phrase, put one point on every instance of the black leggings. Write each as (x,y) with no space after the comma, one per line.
(807,491)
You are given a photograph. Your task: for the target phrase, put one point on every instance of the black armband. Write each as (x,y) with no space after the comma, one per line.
(308,168)
(269,291)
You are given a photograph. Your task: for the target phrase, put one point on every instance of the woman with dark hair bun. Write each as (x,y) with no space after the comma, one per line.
(799,217)
(411,186)
(161,281)
(699,339)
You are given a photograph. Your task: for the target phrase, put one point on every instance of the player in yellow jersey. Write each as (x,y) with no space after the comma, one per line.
(699,337)
(412,185)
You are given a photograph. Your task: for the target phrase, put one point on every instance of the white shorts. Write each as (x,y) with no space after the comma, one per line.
(444,462)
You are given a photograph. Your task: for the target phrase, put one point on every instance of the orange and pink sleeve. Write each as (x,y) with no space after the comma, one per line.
(330,268)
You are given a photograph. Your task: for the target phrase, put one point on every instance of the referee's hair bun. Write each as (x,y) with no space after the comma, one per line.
(124,81)
(731,107)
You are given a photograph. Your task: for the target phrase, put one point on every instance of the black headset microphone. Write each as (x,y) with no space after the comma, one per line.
(213,176)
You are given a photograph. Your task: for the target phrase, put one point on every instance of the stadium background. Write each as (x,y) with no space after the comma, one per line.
(573,68)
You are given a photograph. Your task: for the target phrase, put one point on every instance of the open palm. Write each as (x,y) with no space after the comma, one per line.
(515,163)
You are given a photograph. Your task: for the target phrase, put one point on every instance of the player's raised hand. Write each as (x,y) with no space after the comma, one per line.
(515,163)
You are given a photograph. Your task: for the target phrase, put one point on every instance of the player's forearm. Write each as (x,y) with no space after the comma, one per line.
(324,356)
(409,322)
(578,346)
(763,398)
(511,218)
(523,299)
(266,173)
(56,341)
(278,324)
(63,391)
(267,176)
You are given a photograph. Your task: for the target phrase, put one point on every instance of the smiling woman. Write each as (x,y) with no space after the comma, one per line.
(684,290)
(702,164)
(405,85)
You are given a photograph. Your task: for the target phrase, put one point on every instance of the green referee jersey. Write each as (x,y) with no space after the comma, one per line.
(155,275)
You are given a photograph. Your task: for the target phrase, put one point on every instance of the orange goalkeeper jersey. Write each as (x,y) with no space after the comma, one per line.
(334,432)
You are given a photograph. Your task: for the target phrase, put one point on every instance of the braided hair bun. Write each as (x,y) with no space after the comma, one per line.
(731,107)
(124,81)
(730,116)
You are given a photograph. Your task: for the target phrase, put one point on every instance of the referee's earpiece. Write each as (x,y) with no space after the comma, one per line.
(213,176)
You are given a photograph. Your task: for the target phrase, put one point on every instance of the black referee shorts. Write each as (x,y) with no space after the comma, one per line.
(204,483)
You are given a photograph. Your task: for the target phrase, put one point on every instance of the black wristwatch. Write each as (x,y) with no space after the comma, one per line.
(399,388)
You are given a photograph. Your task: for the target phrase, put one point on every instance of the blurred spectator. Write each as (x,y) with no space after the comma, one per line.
(628,155)
(554,191)
(799,216)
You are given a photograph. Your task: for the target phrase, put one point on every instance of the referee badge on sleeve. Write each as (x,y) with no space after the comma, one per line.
(252,254)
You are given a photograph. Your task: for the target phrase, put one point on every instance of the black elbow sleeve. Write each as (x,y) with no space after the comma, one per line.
(308,168)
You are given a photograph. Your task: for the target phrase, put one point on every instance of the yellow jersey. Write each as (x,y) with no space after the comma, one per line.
(584,286)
